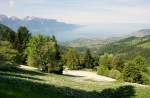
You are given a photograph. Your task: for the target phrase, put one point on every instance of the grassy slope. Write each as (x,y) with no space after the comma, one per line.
(31,84)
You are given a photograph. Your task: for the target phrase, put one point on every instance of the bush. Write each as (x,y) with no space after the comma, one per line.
(103,70)
(145,78)
(58,69)
(115,74)
(132,73)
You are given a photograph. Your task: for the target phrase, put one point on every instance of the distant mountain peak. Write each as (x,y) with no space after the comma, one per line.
(14,18)
(31,18)
(37,24)
(3,17)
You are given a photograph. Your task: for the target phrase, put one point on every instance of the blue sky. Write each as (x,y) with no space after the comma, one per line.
(100,15)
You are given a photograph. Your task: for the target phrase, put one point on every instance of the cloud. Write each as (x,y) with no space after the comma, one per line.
(11,3)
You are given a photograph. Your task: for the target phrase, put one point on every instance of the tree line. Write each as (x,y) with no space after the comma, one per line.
(43,52)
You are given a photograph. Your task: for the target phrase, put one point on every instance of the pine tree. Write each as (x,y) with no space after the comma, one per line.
(22,38)
(71,58)
(88,59)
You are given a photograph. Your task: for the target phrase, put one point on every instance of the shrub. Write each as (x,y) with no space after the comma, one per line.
(132,73)
(106,59)
(115,74)
(58,69)
(103,70)
(145,78)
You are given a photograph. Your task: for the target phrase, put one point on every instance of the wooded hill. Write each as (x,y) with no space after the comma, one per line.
(130,47)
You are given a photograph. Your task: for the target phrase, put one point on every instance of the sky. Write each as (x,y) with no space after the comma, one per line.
(99,16)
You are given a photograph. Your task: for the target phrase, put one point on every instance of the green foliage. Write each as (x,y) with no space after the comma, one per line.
(7,34)
(145,78)
(106,60)
(105,64)
(71,59)
(20,44)
(130,47)
(103,70)
(117,62)
(22,38)
(132,73)
(42,51)
(140,62)
(7,53)
(57,68)
(33,49)
(115,74)
(88,59)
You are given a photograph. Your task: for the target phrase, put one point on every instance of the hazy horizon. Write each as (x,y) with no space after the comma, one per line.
(100,18)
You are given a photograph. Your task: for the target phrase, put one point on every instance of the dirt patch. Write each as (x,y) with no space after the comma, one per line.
(87,75)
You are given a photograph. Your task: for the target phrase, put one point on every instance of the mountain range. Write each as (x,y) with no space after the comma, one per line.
(63,31)
(37,25)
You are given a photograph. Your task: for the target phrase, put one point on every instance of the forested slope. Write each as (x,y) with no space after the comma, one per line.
(130,47)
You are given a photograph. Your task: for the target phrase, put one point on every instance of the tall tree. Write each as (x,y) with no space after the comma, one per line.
(41,52)
(57,54)
(22,38)
(71,59)
(88,59)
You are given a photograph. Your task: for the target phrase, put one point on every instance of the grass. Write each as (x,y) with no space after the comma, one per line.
(18,83)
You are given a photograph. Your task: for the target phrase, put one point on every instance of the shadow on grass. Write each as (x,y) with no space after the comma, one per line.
(18,88)
(19,76)
(15,69)
(72,75)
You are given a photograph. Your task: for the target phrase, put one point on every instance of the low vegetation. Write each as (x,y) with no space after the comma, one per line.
(130,71)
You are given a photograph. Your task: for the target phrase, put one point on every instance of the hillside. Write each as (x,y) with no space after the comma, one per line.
(25,83)
(130,47)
